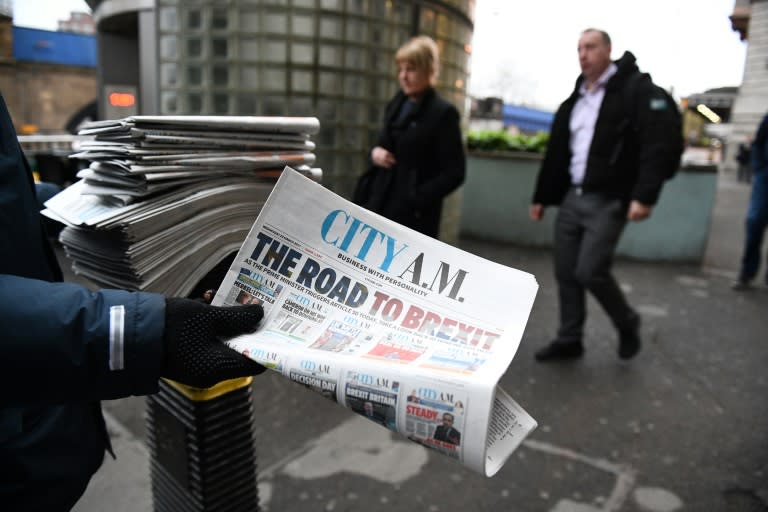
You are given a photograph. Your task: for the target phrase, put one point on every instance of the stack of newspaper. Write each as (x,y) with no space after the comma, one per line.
(166,198)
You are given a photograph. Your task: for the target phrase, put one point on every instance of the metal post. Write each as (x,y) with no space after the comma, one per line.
(202,447)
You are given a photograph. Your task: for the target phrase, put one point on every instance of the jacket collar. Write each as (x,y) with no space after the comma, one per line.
(401,98)
(625,66)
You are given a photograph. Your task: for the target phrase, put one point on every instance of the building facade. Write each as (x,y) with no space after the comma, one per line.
(45,76)
(750,19)
(332,59)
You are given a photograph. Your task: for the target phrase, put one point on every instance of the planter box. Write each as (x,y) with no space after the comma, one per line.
(499,186)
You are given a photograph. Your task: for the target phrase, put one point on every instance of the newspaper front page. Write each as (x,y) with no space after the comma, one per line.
(406,330)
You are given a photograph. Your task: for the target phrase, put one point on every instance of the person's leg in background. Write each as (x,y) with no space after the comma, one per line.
(756,222)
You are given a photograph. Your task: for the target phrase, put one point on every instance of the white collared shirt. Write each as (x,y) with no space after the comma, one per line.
(582,123)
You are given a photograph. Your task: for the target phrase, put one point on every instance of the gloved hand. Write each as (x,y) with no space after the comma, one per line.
(194,352)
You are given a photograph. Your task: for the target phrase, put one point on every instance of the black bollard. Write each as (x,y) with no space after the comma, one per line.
(202,447)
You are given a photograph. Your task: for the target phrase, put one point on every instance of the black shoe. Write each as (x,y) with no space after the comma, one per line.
(741,284)
(629,341)
(558,351)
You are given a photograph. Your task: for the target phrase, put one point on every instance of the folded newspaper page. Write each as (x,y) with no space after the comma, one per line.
(401,328)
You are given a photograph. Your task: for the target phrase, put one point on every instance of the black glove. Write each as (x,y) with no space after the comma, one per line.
(194,352)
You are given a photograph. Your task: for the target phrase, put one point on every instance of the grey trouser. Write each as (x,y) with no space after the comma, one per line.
(587,230)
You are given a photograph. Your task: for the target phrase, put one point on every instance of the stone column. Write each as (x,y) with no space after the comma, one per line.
(751,104)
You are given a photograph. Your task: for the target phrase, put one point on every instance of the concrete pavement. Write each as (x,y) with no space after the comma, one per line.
(681,427)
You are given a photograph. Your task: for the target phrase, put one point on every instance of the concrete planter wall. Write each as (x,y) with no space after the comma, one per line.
(497,194)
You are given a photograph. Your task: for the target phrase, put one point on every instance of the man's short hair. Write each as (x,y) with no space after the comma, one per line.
(603,34)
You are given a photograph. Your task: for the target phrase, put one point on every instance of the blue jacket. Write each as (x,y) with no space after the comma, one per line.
(56,357)
(760,147)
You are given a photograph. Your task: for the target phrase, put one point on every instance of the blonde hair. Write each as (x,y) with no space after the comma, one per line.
(422,53)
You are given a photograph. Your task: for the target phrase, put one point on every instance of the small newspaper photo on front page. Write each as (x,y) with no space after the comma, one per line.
(405,330)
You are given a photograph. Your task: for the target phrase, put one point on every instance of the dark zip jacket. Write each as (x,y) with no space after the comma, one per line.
(55,354)
(626,154)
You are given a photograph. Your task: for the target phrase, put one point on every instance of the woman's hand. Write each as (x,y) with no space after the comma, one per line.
(382,158)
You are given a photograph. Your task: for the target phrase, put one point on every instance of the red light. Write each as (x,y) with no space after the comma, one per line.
(122,99)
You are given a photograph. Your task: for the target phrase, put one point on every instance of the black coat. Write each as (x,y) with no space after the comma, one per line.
(631,172)
(431,163)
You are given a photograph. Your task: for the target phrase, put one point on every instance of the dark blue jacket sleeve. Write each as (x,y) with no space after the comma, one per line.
(62,341)
(760,147)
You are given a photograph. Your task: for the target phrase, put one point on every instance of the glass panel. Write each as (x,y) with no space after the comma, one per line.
(353,137)
(355,58)
(220,47)
(249,21)
(427,22)
(330,4)
(443,25)
(168,47)
(220,75)
(246,104)
(352,111)
(383,61)
(378,34)
(402,13)
(301,81)
(249,77)
(274,51)
(330,55)
(380,10)
(304,3)
(168,74)
(401,35)
(194,75)
(194,48)
(274,79)
(302,107)
(327,136)
(169,19)
(303,25)
(194,103)
(330,83)
(276,23)
(273,106)
(169,103)
(219,18)
(221,103)
(356,30)
(301,53)
(358,6)
(194,19)
(249,49)
(375,115)
(353,85)
(330,27)
(326,111)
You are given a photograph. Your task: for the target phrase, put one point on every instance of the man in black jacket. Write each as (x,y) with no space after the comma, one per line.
(603,166)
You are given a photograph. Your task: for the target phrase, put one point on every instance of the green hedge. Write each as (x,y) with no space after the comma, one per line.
(500,140)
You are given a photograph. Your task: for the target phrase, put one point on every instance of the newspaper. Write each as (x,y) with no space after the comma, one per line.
(403,329)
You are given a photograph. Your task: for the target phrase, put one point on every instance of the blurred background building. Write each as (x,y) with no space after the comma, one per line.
(46,76)
(750,20)
(332,59)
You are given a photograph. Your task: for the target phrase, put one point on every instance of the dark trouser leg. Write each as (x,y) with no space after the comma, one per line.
(757,220)
(586,234)
(571,293)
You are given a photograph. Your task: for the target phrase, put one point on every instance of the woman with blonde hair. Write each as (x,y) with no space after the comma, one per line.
(419,158)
